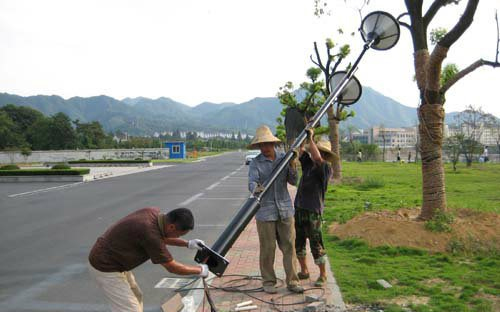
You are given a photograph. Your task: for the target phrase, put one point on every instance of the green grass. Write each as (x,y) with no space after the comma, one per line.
(462,282)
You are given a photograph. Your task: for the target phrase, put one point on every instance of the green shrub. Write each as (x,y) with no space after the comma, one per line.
(60,166)
(440,223)
(371,183)
(10,167)
(39,172)
(108,161)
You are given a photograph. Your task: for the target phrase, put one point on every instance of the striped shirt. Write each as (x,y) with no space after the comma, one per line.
(276,203)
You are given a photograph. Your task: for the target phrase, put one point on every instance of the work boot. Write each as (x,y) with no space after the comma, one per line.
(303,276)
(270,289)
(296,289)
(320,282)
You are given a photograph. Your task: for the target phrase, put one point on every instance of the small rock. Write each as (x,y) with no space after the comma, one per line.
(312,298)
(313,307)
(384,283)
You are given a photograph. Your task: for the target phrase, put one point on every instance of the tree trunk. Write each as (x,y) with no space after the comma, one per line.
(335,141)
(431,118)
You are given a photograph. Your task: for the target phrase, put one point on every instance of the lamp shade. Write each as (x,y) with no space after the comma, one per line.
(351,92)
(381,28)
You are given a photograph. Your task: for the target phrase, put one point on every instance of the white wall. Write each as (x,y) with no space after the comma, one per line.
(66,155)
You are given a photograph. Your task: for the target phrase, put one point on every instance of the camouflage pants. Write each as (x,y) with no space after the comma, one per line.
(308,226)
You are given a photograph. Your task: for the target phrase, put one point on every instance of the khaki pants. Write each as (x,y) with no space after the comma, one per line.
(282,231)
(120,289)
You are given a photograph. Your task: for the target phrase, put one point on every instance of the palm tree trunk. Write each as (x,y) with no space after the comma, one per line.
(431,118)
(335,141)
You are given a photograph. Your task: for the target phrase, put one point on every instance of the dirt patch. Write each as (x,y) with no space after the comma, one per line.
(471,230)
(406,301)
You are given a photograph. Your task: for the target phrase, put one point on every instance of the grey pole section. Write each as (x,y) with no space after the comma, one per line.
(214,256)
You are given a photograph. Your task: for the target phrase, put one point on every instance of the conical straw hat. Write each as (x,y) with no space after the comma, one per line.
(263,135)
(325,147)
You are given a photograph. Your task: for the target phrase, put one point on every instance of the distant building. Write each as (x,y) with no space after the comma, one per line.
(393,137)
(483,134)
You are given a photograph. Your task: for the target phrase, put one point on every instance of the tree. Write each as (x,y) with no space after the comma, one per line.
(296,111)
(22,116)
(316,91)
(55,132)
(382,134)
(433,88)
(26,152)
(453,148)
(469,126)
(90,135)
(336,112)
(9,134)
(495,124)
(63,136)
(432,92)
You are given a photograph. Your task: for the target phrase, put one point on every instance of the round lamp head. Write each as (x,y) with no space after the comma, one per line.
(351,92)
(381,29)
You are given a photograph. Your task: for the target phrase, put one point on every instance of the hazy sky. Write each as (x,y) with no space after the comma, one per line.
(216,50)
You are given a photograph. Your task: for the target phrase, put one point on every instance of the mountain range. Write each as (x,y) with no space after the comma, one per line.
(144,116)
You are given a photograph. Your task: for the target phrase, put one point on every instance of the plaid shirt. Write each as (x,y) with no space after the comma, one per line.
(276,203)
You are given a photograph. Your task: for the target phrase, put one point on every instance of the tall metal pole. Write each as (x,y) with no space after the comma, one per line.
(252,204)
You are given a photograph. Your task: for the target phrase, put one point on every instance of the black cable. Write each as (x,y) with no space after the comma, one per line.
(247,292)
(209,299)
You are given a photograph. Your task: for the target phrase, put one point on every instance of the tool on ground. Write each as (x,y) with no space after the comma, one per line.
(380,31)
(244,303)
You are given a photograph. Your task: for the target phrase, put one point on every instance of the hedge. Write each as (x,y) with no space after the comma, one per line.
(110,161)
(37,172)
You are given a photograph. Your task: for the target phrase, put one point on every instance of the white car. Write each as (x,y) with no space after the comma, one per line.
(251,154)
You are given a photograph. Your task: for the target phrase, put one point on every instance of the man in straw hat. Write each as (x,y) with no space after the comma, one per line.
(275,221)
(309,204)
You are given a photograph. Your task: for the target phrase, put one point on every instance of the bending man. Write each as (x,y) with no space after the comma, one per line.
(133,240)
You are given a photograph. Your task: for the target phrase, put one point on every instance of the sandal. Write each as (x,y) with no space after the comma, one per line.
(303,276)
(320,282)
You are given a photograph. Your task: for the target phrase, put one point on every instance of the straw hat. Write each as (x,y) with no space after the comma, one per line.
(263,135)
(325,147)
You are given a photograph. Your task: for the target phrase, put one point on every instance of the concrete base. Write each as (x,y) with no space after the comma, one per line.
(60,178)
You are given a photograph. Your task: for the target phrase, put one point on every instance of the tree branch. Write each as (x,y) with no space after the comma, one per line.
(314,62)
(400,16)
(431,12)
(461,26)
(498,36)
(465,72)
(320,65)
(418,33)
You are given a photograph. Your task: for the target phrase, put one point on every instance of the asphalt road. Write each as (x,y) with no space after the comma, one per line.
(46,235)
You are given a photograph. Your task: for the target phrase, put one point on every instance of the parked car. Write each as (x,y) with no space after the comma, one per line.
(251,154)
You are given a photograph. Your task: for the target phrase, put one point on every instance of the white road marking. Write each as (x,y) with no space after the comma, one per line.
(210,225)
(60,187)
(191,199)
(212,186)
(224,198)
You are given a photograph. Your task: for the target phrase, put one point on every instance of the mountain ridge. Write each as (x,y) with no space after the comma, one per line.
(145,116)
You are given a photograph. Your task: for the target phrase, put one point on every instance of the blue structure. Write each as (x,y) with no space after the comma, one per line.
(176,150)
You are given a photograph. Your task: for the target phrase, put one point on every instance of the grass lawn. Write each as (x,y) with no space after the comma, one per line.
(422,281)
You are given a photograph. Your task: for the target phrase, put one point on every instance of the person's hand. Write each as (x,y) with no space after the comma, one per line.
(293,163)
(196,244)
(258,189)
(295,153)
(204,270)
(310,134)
